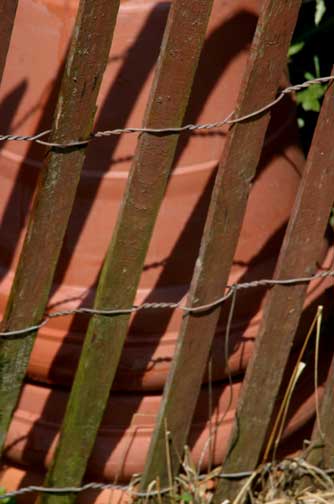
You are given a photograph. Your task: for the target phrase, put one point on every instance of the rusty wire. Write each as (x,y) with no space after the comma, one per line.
(163,305)
(231,290)
(298,464)
(229,120)
(112,486)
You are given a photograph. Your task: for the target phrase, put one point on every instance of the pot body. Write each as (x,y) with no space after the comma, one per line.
(27,99)
(123,440)
(125,433)
(13,477)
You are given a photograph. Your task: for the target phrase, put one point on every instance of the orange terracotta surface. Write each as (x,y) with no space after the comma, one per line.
(27,98)
(147,357)
(13,477)
(123,440)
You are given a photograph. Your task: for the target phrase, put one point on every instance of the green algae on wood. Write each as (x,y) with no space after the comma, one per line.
(222,229)
(299,255)
(179,56)
(59,177)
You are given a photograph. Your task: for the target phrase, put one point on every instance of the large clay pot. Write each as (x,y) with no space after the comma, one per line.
(122,443)
(27,98)
(123,440)
(13,477)
(145,361)
(124,436)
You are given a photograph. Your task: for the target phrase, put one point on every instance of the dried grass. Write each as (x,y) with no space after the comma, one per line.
(291,481)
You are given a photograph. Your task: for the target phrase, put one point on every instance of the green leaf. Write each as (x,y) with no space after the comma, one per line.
(310,98)
(295,48)
(301,122)
(331,218)
(320,10)
(186,497)
(316,66)
(8,500)
(309,76)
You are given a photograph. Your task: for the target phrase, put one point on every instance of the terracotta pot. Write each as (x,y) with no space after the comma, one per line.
(13,477)
(27,98)
(122,444)
(146,359)
(123,440)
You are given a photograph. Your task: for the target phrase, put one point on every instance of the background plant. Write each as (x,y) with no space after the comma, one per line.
(311,56)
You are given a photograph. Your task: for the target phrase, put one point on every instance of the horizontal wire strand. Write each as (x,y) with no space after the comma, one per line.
(287,464)
(229,120)
(25,331)
(107,486)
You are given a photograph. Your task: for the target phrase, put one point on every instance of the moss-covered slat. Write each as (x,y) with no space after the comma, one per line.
(299,255)
(59,177)
(236,171)
(178,59)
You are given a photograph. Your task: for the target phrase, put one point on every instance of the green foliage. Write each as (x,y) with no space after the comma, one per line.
(310,57)
(320,10)
(295,48)
(310,98)
(185,497)
(331,218)
(8,500)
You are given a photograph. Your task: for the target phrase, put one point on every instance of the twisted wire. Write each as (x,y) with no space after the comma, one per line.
(228,120)
(26,331)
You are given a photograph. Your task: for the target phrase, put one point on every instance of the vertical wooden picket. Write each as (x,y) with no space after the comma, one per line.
(298,258)
(60,175)
(321,450)
(74,116)
(179,56)
(236,171)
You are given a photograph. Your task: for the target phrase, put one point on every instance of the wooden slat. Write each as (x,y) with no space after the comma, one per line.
(321,451)
(57,185)
(7,17)
(299,254)
(181,47)
(236,171)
